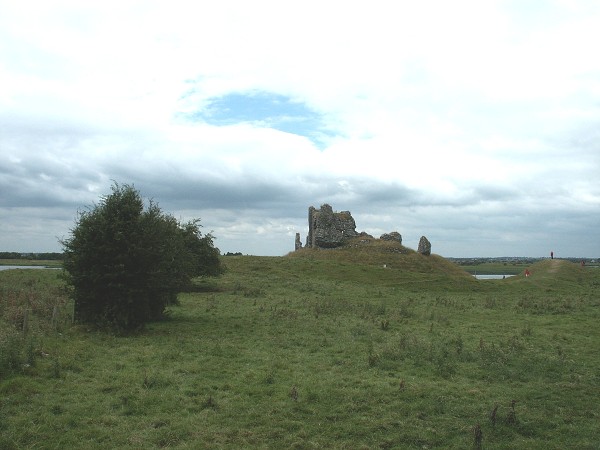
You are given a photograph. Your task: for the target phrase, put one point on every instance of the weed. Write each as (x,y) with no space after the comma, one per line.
(372,359)
(372,356)
(477,436)
(11,348)
(154,380)
(458,344)
(493,415)
(210,403)
(294,393)
(511,418)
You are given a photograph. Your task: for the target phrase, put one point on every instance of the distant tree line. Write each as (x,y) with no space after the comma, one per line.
(54,256)
(513,260)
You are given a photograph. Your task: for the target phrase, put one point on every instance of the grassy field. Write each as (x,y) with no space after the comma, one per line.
(31,262)
(319,349)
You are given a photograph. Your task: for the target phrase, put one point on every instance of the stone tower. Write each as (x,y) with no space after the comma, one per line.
(328,229)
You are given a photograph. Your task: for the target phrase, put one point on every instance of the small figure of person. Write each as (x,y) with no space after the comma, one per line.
(527,272)
(551,255)
(582,263)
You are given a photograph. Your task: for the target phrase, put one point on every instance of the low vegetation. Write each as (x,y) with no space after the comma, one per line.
(319,349)
(125,262)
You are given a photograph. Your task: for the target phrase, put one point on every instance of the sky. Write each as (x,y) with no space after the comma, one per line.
(473,123)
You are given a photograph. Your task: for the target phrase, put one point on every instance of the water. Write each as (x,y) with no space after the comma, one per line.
(25,267)
(491,277)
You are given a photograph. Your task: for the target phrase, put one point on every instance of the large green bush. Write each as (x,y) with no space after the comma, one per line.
(126,263)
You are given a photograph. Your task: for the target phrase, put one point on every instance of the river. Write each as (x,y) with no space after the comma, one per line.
(26,267)
(492,277)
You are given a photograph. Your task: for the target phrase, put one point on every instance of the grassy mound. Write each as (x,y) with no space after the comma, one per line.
(557,268)
(392,255)
(553,271)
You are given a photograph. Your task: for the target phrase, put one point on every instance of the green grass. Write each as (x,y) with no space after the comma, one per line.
(31,262)
(322,349)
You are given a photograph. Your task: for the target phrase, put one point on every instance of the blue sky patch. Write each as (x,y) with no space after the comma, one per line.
(268,110)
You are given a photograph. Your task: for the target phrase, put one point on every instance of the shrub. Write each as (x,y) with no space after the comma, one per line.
(126,263)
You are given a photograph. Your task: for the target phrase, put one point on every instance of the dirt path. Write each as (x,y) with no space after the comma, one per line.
(554,263)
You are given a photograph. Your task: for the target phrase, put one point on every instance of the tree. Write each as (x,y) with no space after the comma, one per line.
(126,263)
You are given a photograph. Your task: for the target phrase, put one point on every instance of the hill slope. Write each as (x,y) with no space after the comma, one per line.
(554,274)
(554,271)
(400,263)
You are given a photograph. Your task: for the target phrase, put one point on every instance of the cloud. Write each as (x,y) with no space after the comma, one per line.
(475,123)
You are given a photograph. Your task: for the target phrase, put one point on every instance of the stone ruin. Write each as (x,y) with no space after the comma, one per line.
(393,236)
(329,229)
(424,247)
(298,243)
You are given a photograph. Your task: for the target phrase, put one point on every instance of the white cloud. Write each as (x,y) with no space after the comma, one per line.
(445,116)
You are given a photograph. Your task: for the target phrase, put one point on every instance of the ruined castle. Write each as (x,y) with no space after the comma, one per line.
(329,229)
